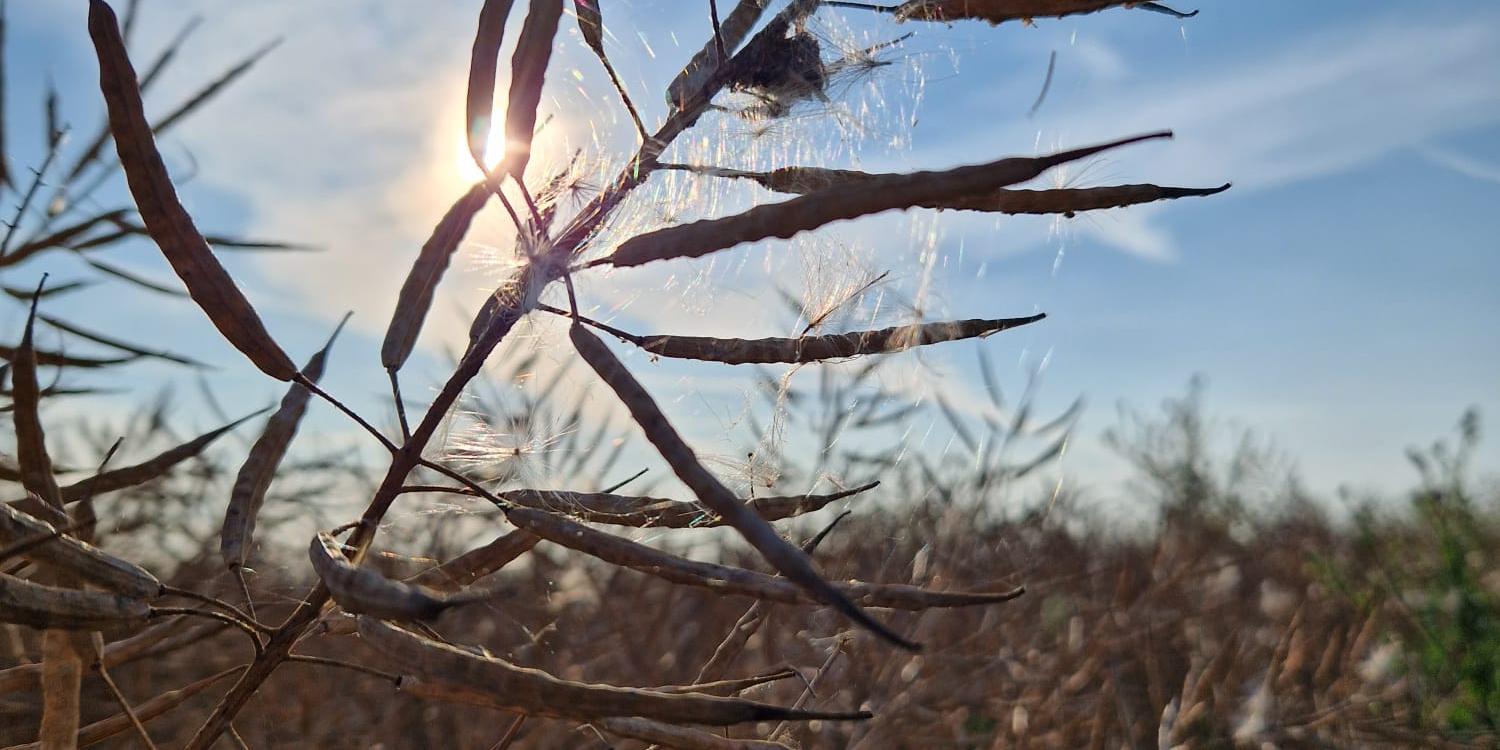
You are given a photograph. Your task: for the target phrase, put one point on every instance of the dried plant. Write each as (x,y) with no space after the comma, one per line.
(778,62)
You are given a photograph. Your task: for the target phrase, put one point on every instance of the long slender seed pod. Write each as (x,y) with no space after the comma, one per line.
(364,590)
(792,562)
(813,210)
(679,738)
(62,236)
(483,60)
(167,221)
(528,71)
(806,349)
(803,180)
(998,11)
(101,730)
(50,607)
(723,579)
(625,510)
(58,359)
(124,346)
(432,261)
(729,687)
(79,558)
(202,96)
(449,673)
(464,570)
(62,675)
(156,466)
(31,438)
(254,479)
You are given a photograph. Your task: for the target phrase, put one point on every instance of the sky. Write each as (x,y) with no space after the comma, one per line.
(1340,299)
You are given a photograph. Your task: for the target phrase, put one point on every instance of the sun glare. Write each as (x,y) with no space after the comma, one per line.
(494,152)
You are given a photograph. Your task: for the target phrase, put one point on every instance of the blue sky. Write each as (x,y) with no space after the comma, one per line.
(1341,299)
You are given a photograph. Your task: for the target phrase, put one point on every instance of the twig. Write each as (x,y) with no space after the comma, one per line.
(1046,84)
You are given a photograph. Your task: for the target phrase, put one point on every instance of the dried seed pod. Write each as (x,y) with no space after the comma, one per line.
(464,570)
(250,485)
(49,607)
(806,349)
(790,561)
(58,359)
(528,72)
(997,11)
(624,510)
(31,439)
(130,476)
(449,673)
(426,272)
(62,675)
(679,738)
(813,210)
(364,590)
(723,579)
(151,641)
(483,60)
(104,729)
(78,558)
(166,220)
(1068,201)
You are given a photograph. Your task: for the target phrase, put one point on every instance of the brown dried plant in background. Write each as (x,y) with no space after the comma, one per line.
(778,61)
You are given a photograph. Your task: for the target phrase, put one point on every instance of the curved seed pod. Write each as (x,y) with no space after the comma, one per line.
(41,606)
(806,349)
(679,738)
(149,642)
(477,563)
(103,729)
(624,510)
(813,210)
(723,579)
(733,29)
(250,485)
(365,591)
(528,71)
(84,560)
(130,476)
(31,439)
(426,272)
(792,562)
(729,687)
(450,673)
(166,220)
(803,180)
(997,11)
(483,60)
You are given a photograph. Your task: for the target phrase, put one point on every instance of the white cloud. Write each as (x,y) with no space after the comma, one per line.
(1463,164)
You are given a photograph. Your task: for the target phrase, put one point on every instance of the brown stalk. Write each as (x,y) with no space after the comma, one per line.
(996,11)
(166,220)
(842,202)
(255,475)
(792,563)
(695,76)
(449,673)
(119,696)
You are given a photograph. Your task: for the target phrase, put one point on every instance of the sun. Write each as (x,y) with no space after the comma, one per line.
(494,151)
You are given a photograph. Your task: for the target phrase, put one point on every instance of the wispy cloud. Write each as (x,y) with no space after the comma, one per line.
(1463,164)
